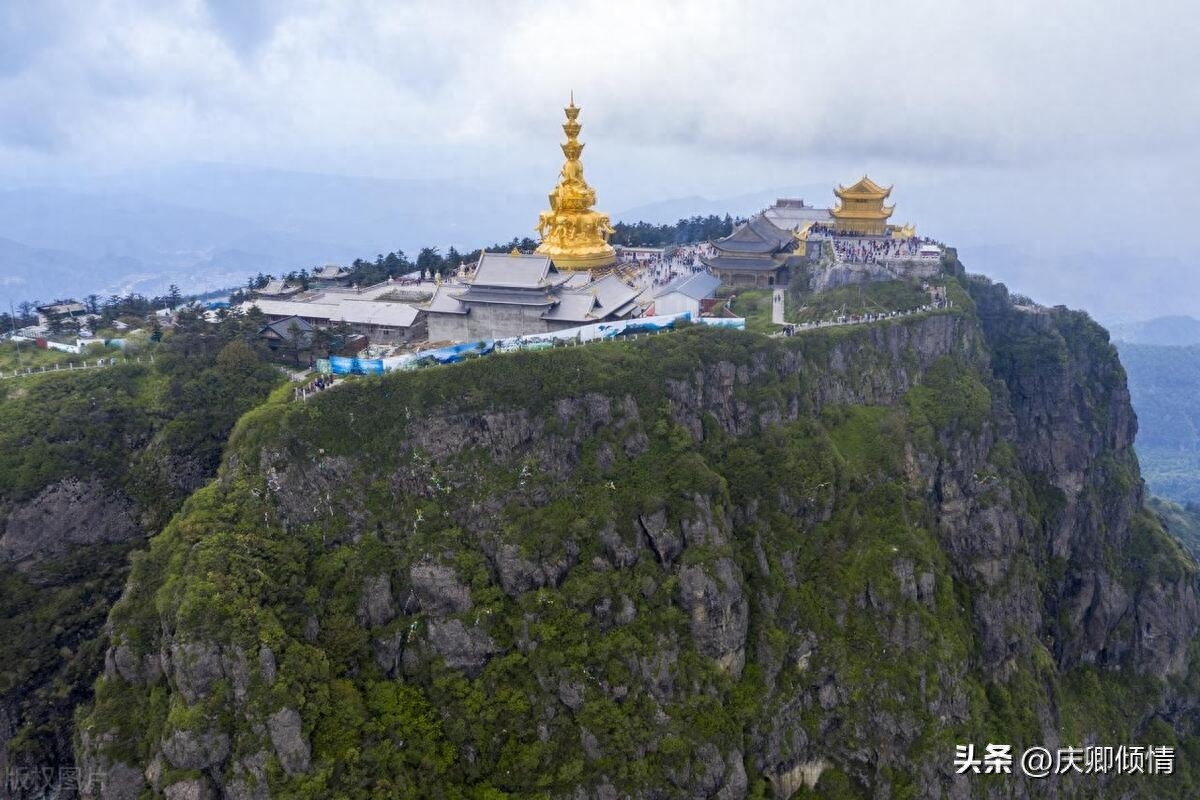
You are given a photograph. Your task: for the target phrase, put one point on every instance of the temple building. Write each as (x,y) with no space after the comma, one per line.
(757,253)
(517,295)
(573,235)
(861,211)
(793,214)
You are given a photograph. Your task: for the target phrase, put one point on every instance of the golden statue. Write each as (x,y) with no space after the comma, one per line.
(573,235)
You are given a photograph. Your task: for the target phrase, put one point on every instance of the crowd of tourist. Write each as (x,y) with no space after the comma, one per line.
(656,270)
(876,250)
(857,248)
(937,300)
(318,384)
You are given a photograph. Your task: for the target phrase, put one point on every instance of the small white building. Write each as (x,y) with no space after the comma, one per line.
(685,293)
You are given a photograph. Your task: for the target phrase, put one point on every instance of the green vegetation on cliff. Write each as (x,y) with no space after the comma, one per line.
(91,462)
(702,564)
(856,299)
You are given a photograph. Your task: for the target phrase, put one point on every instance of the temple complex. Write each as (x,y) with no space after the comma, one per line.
(755,254)
(574,236)
(792,214)
(861,211)
(519,294)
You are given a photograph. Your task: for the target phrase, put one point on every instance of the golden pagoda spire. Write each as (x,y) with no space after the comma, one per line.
(573,234)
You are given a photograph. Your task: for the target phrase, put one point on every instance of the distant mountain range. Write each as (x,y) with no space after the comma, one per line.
(208,226)
(742,205)
(205,226)
(1164,382)
(1173,331)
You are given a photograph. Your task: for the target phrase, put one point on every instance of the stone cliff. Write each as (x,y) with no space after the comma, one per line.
(705,565)
(91,464)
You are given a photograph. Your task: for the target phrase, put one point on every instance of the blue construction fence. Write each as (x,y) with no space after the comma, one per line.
(341,365)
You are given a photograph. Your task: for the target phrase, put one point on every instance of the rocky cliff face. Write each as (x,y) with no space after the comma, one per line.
(68,514)
(704,565)
(91,463)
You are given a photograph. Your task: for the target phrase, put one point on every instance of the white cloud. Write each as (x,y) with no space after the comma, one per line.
(928,81)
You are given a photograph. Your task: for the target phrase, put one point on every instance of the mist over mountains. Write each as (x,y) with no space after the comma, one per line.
(209,226)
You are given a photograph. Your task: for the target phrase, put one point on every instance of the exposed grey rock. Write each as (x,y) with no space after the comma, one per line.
(708,770)
(655,670)
(389,651)
(195,749)
(662,540)
(65,515)
(302,488)
(605,458)
(121,782)
(590,744)
(704,528)
(903,569)
(628,611)
(463,648)
(719,613)
(376,606)
(636,444)
(266,664)
(196,665)
(287,736)
(519,575)
(250,778)
(154,772)
(438,589)
(618,552)
(183,471)
(190,789)
(926,587)
(571,694)
(236,668)
(121,661)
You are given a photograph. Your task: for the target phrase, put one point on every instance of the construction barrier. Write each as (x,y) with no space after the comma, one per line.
(540,341)
(341,365)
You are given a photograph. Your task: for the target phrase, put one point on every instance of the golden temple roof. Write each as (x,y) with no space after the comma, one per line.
(865,189)
(883,212)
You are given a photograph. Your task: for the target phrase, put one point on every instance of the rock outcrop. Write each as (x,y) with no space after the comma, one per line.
(68,514)
(712,565)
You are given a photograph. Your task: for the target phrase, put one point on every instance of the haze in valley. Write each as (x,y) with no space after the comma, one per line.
(199,142)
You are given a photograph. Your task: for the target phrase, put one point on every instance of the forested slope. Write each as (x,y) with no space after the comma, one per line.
(707,564)
(91,464)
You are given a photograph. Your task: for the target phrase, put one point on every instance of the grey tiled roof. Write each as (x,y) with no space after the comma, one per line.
(697,286)
(443,302)
(277,287)
(524,271)
(493,294)
(790,217)
(573,307)
(611,292)
(743,264)
(757,235)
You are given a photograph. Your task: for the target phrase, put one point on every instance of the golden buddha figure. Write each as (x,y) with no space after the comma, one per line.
(572,233)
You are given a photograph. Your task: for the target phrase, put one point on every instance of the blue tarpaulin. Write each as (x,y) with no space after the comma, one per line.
(341,365)
(457,352)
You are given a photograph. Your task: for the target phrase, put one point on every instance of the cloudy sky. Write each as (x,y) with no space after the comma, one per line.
(1061,130)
